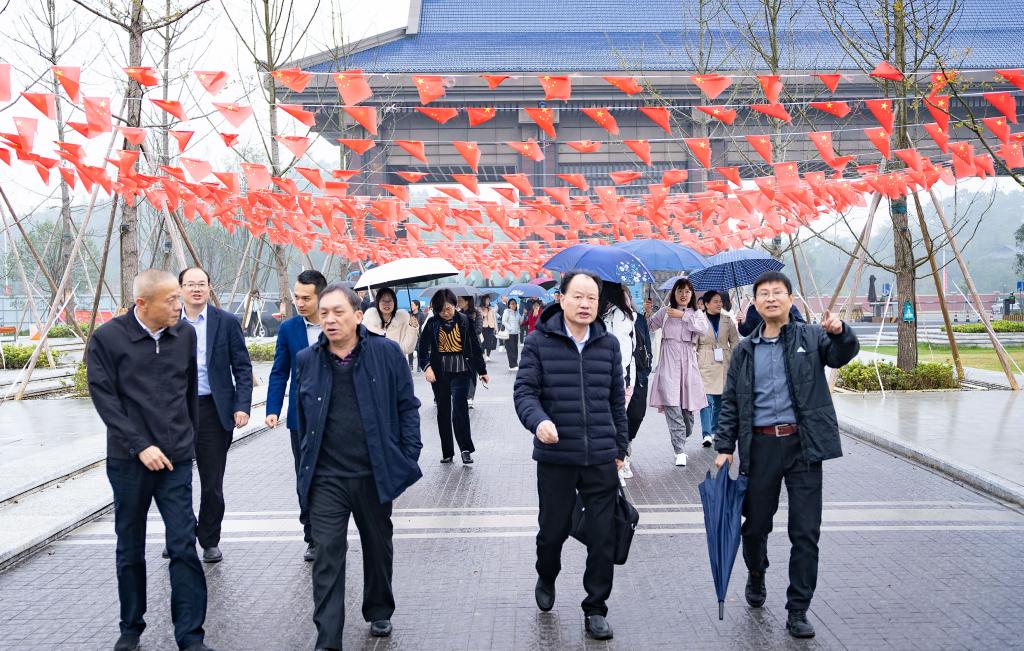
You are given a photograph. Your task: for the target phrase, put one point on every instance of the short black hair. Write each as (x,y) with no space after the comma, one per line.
(682,282)
(181,276)
(773,277)
(441,298)
(343,289)
(314,278)
(708,295)
(567,278)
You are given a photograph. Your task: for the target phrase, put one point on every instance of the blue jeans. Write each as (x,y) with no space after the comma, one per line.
(135,487)
(709,415)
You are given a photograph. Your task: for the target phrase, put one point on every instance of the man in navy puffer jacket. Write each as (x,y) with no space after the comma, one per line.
(569,393)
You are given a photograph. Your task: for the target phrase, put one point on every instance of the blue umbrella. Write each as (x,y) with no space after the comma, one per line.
(722,497)
(733,269)
(659,255)
(606,262)
(527,290)
(671,282)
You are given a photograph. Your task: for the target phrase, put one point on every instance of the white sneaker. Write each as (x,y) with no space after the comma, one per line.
(626,472)
(681,459)
(708,440)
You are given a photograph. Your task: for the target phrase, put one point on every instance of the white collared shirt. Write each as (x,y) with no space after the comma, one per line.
(579,344)
(313,331)
(155,335)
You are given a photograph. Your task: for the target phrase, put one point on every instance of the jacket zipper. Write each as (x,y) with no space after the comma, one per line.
(786,347)
(586,417)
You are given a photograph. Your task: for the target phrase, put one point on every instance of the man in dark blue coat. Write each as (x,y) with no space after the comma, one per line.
(296,334)
(225,398)
(360,426)
(570,394)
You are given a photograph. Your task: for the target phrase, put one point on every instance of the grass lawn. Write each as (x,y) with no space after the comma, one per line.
(973,357)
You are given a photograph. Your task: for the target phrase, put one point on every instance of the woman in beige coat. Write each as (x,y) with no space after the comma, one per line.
(384,319)
(714,352)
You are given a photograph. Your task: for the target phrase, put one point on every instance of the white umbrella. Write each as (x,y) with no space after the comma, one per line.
(406,271)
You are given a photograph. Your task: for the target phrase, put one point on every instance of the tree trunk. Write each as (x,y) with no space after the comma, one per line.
(279,253)
(129,236)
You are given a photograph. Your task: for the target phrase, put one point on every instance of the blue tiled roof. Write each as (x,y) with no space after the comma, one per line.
(635,35)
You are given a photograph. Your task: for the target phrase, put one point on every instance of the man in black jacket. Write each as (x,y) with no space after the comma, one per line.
(777,406)
(143,382)
(570,394)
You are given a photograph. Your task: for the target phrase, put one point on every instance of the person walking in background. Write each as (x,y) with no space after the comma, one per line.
(569,393)
(677,389)
(778,408)
(416,312)
(636,408)
(225,399)
(467,305)
(751,320)
(296,334)
(510,321)
(620,322)
(489,321)
(529,323)
(714,352)
(360,423)
(449,355)
(143,380)
(395,324)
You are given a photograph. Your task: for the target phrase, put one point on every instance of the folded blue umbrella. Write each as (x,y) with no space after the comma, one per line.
(660,255)
(733,269)
(527,290)
(606,262)
(722,498)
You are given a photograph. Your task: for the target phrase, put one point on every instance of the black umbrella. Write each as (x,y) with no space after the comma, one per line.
(722,497)
(458,290)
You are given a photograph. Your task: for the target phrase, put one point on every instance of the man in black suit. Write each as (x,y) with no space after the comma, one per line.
(144,384)
(225,398)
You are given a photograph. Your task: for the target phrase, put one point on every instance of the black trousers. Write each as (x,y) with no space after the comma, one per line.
(212,443)
(135,487)
(307,533)
(637,407)
(331,501)
(512,350)
(772,461)
(556,489)
(451,390)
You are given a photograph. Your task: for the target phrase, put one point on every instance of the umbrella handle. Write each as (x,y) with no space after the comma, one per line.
(721,610)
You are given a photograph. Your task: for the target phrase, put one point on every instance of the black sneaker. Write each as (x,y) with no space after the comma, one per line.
(598,628)
(447,459)
(381,628)
(798,626)
(756,592)
(127,642)
(466,457)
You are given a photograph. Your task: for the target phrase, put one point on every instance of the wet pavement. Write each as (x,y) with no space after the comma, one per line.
(909,560)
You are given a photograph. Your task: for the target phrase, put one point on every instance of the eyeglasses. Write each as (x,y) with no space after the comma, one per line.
(195,285)
(779,293)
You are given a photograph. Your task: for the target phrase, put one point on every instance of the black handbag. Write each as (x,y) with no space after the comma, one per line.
(626,518)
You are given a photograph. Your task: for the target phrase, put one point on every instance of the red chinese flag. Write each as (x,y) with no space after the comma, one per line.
(400,191)
(772,86)
(711,85)
(1013,155)
(439,115)
(133,135)
(882,110)
(701,150)
(297,145)
(229,138)
(145,75)
(478,116)
(312,174)
(831,81)
(999,127)
(938,106)
(430,87)
(762,145)
(544,117)
(470,152)
(293,78)
(364,115)
(727,116)
(197,169)
(879,137)
(577,180)
(344,175)
(493,81)
(520,182)
(529,149)
(823,141)
(415,149)
(5,82)
(412,177)
(454,193)
(641,148)
(673,176)
(939,135)
(885,70)
(584,146)
(628,85)
(45,103)
(68,77)
(172,107)
(358,145)
(731,173)
(838,109)
(307,118)
(603,118)
(182,137)
(256,176)
(1004,103)
(658,115)
(508,193)
(911,157)
(212,80)
(97,115)
(625,176)
(787,176)
(561,195)
(940,80)
(467,181)
(777,111)
(352,86)
(556,87)
(236,114)
(1015,77)
(230,181)
(82,128)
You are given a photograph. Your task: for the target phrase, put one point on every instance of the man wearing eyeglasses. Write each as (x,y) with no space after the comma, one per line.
(777,406)
(225,398)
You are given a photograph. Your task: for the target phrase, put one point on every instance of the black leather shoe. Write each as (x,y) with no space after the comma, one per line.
(165,553)
(127,642)
(447,459)
(466,457)
(797,624)
(310,554)
(381,628)
(756,592)
(598,627)
(212,555)
(545,594)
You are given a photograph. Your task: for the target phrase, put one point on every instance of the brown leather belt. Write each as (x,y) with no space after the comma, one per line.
(776,430)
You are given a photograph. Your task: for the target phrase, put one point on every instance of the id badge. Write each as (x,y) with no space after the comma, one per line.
(719,355)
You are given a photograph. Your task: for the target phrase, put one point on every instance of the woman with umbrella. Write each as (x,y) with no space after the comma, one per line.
(714,352)
(510,321)
(490,326)
(450,355)
(677,389)
(396,325)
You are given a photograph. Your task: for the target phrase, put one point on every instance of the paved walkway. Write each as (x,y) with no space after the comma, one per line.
(908,560)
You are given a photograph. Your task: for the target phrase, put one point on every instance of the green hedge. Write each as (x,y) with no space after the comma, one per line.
(17,356)
(998,326)
(261,352)
(857,376)
(80,381)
